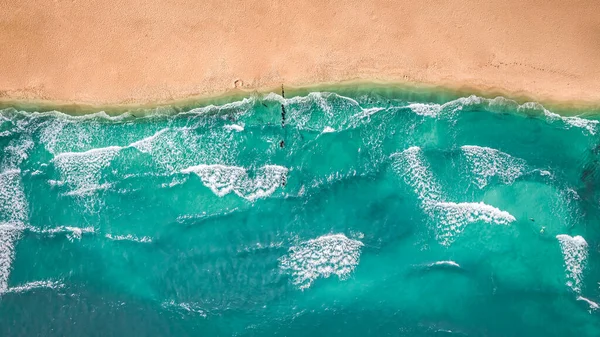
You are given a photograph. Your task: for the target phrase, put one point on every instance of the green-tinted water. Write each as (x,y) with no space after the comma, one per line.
(362,215)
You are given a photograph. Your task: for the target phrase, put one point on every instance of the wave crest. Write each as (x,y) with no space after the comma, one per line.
(222,180)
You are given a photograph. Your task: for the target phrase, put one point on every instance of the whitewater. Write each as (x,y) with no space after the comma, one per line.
(324,214)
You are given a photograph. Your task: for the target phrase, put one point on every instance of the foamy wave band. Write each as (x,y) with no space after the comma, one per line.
(72,233)
(499,104)
(82,170)
(593,305)
(447,263)
(575,253)
(453,217)
(13,216)
(411,165)
(129,237)
(486,163)
(587,124)
(234,127)
(321,257)
(36,285)
(223,180)
(449,218)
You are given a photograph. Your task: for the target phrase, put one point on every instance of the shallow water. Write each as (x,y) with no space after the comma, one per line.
(353,216)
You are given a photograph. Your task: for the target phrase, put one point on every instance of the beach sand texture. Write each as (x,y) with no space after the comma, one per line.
(116,52)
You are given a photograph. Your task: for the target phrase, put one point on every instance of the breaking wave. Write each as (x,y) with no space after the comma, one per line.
(501,104)
(575,253)
(448,218)
(223,180)
(13,218)
(82,170)
(452,218)
(486,163)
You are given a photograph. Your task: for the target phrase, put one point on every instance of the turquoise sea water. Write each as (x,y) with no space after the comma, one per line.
(347,216)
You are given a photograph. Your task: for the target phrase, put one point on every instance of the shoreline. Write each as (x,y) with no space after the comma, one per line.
(102,55)
(422,93)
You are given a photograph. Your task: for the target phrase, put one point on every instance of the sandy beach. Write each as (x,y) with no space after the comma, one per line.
(139,52)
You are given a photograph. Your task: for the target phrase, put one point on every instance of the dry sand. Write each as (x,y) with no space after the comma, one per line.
(116,52)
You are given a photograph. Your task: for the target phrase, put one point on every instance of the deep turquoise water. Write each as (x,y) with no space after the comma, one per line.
(375,216)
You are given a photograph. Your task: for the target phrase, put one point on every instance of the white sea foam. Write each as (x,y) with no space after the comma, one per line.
(500,104)
(176,181)
(328,129)
(222,180)
(448,263)
(234,127)
(36,285)
(260,246)
(82,170)
(16,152)
(588,124)
(332,106)
(13,216)
(324,256)
(86,191)
(13,204)
(187,307)
(242,105)
(145,145)
(129,237)
(486,163)
(448,218)
(319,98)
(451,218)
(436,110)
(575,253)
(8,236)
(64,135)
(72,233)
(64,116)
(411,165)
(367,112)
(424,109)
(593,305)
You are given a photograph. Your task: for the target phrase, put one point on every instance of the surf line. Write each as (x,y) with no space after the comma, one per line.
(282,143)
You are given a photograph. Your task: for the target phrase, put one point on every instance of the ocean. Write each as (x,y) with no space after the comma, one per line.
(321,214)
